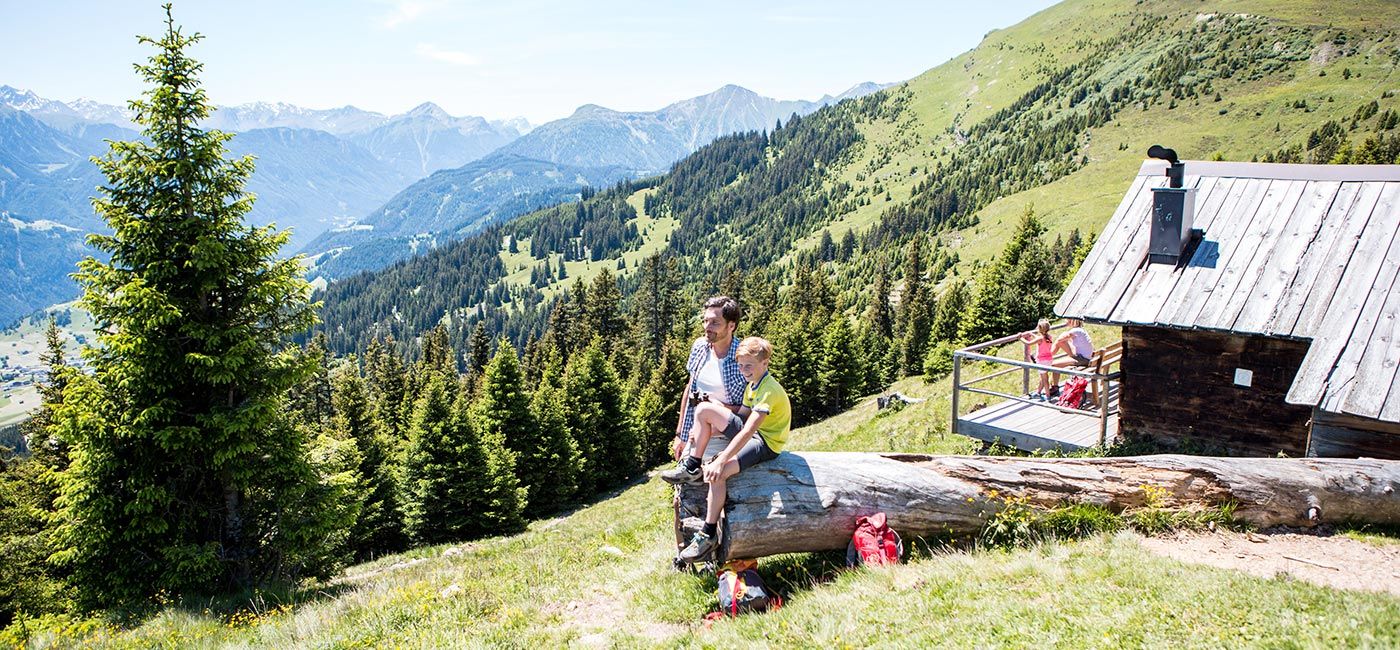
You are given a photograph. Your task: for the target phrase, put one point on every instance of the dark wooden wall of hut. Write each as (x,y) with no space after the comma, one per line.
(1178,389)
(1348,436)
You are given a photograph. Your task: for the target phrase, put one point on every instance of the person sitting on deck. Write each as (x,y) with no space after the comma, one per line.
(1076,344)
(1044,355)
(757,433)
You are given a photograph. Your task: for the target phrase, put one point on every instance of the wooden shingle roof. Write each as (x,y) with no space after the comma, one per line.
(1296,251)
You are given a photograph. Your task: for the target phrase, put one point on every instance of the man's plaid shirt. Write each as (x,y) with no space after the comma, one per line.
(728,367)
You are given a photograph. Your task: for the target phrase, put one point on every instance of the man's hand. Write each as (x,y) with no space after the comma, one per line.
(713,469)
(677,446)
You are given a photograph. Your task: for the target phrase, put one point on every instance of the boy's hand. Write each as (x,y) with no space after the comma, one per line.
(712,470)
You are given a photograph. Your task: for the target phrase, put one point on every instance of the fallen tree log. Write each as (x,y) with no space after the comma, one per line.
(809,501)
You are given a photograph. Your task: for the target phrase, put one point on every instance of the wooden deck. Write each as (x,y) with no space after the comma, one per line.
(1029,426)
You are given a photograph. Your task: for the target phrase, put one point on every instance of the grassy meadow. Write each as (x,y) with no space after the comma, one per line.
(601,577)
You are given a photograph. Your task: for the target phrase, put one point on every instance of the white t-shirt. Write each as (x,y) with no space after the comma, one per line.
(1079,343)
(710,379)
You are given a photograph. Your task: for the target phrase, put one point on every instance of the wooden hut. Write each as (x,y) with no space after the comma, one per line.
(1259,304)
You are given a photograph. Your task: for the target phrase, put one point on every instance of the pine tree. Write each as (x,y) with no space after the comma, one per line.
(842,376)
(480,353)
(760,301)
(948,315)
(184,477)
(654,413)
(46,445)
(915,312)
(502,409)
(435,467)
(28,489)
(826,247)
(810,296)
(379,527)
(655,306)
(602,312)
(606,441)
(882,316)
(310,398)
(458,484)
(388,384)
(1017,289)
(499,504)
(556,447)
(847,249)
(797,364)
(438,354)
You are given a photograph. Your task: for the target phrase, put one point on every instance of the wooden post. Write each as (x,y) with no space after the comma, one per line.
(1103,415)
(957,387)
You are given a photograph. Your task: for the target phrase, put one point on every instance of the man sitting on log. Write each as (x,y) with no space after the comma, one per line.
(714,370)
(757,432)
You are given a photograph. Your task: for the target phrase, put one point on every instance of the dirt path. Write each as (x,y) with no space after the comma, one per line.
(1331,561)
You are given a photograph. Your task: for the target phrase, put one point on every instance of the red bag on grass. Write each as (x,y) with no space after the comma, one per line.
(874,543)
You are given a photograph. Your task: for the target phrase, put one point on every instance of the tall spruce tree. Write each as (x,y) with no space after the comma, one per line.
(379,527)
(602,312)
(655,306)
(948,315)
(434,467)
(180,460)
(480,350)
(654,413)
(842,371)
(556,446)
(502,409)
(1017,289)
(386,377)
(604,434)
(915,310)
(797,358)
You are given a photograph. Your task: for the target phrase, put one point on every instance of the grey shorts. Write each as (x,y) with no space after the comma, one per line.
(1078,360)
(755,450)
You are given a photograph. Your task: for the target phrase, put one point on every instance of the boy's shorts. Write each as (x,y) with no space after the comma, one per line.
(755,450)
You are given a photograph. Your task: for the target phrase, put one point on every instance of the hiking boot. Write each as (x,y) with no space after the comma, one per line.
(679,475)
(1054,391)
(701,546)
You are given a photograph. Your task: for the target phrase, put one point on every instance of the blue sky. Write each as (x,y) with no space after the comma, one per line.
(531,58)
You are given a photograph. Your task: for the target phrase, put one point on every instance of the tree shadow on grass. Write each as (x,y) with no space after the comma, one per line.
(242,606)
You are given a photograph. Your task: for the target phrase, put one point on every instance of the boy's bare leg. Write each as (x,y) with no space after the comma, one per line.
(714,503)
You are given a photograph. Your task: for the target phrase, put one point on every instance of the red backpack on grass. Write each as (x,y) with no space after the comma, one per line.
(874,543)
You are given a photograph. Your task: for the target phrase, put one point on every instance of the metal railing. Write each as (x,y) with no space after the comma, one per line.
(1102,382)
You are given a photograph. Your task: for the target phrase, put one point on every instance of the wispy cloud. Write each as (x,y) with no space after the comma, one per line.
(407,11)
(798,19)
(433,52)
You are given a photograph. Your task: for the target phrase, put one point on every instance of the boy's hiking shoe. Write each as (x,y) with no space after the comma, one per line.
(701,546)
(679,475)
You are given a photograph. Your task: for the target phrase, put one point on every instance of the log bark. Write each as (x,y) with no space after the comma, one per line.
(810,501)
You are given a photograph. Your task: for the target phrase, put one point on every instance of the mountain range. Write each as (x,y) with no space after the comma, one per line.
(343,179)
(594,146)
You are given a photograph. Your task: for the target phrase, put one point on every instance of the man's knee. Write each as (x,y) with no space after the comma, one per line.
(712,412)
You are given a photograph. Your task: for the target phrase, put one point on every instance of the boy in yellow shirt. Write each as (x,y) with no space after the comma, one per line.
(757,433)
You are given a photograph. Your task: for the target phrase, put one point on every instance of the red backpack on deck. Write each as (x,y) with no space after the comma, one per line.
(1072,394)
(874,543)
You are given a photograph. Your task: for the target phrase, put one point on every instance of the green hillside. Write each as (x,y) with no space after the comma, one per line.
(1054,113)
